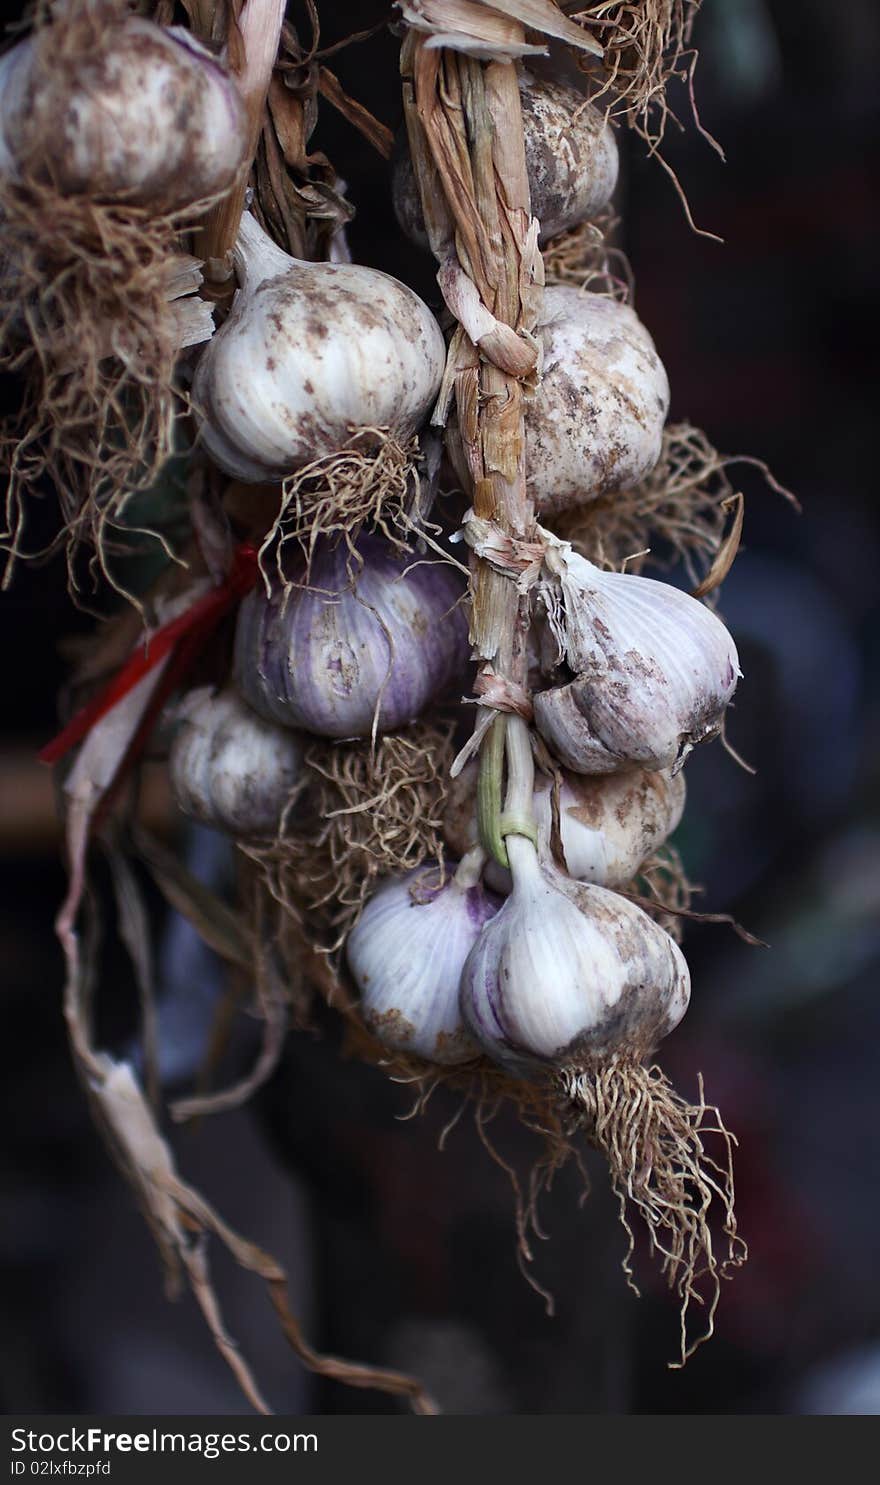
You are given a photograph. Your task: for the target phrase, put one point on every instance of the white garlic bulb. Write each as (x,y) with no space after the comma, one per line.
(571,159)
(145,115)
(569,974)
(311,352)
(406,954)
(346,644)
(596,421)
(653,668)
(608,824)
(231,769)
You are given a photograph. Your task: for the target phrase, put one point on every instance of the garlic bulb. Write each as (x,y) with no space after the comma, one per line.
(569,974)
(332,652)
(596,422)
(571,158)
(608,825)
(653,669)
(137,114)
(311,352)
(406,954)
(231,769)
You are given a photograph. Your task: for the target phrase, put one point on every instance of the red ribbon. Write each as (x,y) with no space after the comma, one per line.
(191,627)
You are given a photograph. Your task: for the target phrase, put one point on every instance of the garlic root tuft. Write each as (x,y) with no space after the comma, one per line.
(375,812)
(655,1145)
(380,486)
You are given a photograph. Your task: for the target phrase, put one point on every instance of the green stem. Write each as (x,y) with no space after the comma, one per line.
(489,791)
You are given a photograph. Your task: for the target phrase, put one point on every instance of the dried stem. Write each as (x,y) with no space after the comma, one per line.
(259,32)
(464,119)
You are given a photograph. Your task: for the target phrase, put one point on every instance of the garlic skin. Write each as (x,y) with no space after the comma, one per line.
(148,117)
(231,769)
(406,954)
(324,657)
(310,352)
(571,159)
(654,669)
(596,421)
(568,974)
(608,824)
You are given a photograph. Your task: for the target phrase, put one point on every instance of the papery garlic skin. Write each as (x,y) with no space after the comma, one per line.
(149,117)
(571,159)
(608,825)
(406,954)
(568,974)
(654,669)
(335,656)
(231,769)
(595,424)
(310,353)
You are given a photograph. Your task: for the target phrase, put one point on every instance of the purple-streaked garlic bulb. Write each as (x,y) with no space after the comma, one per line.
(146,116)
(230,768)
(357,640)
(310,353)
(596,421)
(406,954)
(653,669)
(571,158)
(608,824)
(569,975)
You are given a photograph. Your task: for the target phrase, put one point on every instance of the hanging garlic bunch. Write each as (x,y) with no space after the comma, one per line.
(608,825)
(406,954)
(311,353)
(357,640)
(230,768)
(130,112)
(653,668)
(571,157)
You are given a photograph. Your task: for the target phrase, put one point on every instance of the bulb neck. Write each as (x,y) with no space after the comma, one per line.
(256,257)
(525,867)
(470,869)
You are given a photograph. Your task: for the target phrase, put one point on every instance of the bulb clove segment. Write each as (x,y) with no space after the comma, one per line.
(653,669)
(406,954)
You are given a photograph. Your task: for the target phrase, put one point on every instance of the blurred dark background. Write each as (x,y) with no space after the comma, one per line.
(402,1254)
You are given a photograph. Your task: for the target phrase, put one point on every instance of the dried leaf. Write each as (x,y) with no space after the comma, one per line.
(484,30)
(728,549)
(134,930)
(376,134)
(462,25)
(545,16)
(218,925)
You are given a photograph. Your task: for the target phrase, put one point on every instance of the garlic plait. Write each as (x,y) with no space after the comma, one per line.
(115,107)
(569,975)
(230,768)
(353,641)
(311,353)
(406,954)
(571,158)
(608,824)
(653,669)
